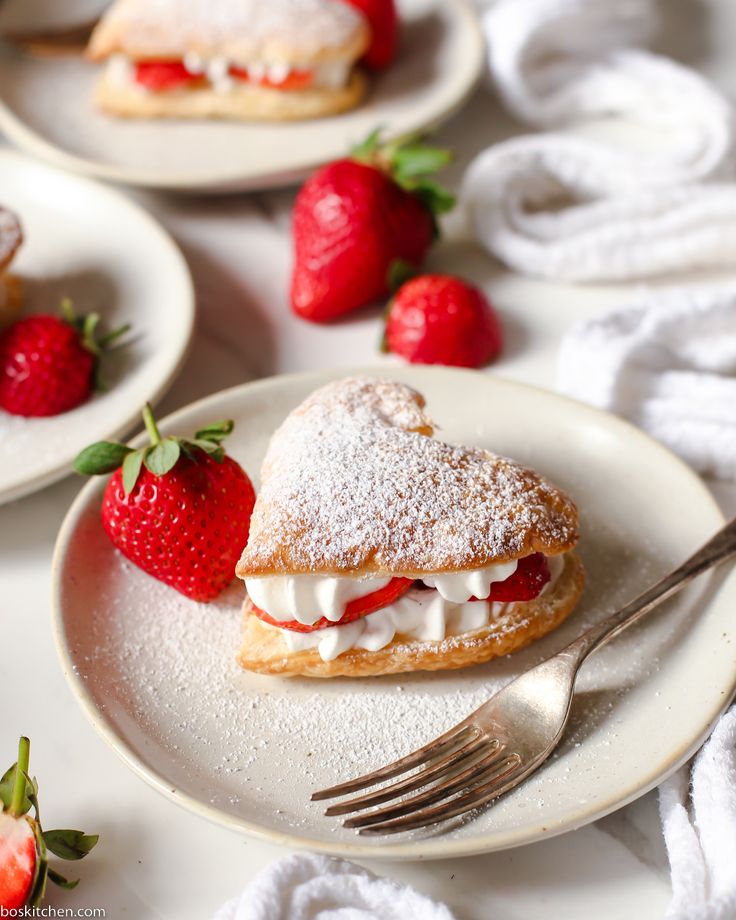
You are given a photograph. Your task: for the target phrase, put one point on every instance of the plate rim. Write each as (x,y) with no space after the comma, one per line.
(30,141)
(188,310)
(425,849)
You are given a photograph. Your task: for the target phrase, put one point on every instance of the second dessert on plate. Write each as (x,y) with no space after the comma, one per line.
(376,548)
(238,59)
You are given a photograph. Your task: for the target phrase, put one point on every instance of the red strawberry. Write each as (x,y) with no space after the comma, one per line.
(438,319)
(384,22)
(24,868)
(17,860)
(180,510)
(360,607)
(164,75)
(531,575)
(48,363)
(355,219)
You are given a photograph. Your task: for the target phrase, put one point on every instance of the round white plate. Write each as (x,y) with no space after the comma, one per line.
(46,108)
(89,243)
(155,673)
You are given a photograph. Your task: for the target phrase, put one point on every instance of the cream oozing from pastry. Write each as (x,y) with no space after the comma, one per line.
(423,615)
(307,598)
(328,75)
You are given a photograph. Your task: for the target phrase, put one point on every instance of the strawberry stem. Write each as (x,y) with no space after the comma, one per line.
(19,785)
(106,340)
(150,423)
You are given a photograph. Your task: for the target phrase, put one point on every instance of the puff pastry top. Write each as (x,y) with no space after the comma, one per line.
(353,482)
(11,236)
(302,31)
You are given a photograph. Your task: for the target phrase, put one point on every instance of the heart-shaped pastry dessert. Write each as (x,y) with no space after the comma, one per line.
(376,548)
(240,59)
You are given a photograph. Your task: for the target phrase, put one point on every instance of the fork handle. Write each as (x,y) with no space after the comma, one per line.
(720,547)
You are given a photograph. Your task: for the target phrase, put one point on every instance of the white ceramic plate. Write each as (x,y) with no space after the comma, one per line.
(45,108)
(91,244)
(155,672)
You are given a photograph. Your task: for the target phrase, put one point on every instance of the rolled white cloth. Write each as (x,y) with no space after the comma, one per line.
(306,886)
(567,207)
(699,828)
(667,363)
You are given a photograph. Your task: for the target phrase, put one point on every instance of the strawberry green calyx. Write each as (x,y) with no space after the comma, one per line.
(411,163)
(87,325)
(159,456)
(18,794)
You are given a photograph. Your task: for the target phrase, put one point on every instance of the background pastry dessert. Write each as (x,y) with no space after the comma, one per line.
(239,59)
(375,548)
(11,237)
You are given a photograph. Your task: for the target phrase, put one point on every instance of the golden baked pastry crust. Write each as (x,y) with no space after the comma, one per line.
(353,484)
(264,650)
(11,299)
(11,237)
(304,32)
(247,102)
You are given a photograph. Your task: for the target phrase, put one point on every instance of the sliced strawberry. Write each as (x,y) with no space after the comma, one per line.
(295,79)
(163,75)
(17,860)
(357,608)
(531,575)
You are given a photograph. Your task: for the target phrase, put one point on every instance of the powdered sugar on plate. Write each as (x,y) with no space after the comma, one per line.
(159,671)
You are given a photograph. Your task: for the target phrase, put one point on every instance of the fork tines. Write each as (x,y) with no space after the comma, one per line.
(462,769)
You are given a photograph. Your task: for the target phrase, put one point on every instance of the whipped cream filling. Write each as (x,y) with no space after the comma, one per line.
(423,615)
(328,75)
(306,598)
(428,616)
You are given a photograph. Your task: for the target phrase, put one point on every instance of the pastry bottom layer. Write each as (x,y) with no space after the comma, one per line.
(11,299)
(265,651)
(247,102)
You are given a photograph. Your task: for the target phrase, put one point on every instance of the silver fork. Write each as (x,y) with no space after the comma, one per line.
(507,738)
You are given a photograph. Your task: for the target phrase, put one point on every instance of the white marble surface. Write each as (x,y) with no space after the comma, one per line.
(158,861)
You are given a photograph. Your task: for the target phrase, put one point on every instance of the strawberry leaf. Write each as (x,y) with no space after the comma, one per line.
(399,272)
(415,160)
(435,197)
(162,457)
(69,844)
(7,782)
(59,880)
(41,872)
(100,458)
(216,432)
(367,149)
(132,468)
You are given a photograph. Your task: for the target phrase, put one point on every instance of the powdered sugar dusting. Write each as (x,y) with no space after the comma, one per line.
(162,669)
(350,482)
(245,27)
(11,236)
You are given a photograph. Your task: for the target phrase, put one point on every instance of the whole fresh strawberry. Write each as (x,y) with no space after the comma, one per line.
(24,846)
(179,509)
(49,364)
(384,22)
(355,219)
(439,319)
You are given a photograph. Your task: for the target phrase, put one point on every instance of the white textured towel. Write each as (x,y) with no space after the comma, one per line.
(311,887)
(700,830)
(666,363)
(567,207)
